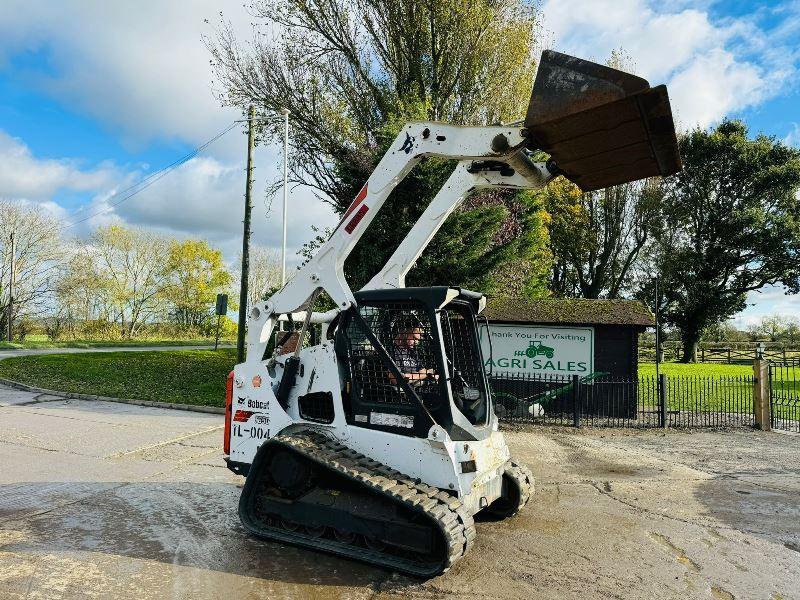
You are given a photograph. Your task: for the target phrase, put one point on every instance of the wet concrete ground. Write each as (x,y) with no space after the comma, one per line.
(101,500)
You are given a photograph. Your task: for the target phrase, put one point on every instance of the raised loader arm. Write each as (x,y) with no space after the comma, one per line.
(600,126)
(468,177)
(326,269)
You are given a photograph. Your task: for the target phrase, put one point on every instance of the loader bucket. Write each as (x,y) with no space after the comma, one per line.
(601,126)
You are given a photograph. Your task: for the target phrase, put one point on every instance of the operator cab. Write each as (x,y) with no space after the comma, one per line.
(411,357)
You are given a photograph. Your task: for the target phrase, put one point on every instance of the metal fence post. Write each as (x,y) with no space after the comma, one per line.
(576,401)
(662,400)
(761,395)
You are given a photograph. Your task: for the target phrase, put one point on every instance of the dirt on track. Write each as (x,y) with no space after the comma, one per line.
(112,501)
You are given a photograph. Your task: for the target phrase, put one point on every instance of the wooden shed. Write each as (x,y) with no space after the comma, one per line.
(612,327)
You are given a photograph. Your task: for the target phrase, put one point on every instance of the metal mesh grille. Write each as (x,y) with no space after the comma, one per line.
(463,359)
(404,329)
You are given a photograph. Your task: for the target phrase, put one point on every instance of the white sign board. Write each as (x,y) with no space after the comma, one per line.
(539,349)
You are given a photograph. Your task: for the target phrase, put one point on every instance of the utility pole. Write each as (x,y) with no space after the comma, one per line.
(285,113)
(248,207)
(10,315)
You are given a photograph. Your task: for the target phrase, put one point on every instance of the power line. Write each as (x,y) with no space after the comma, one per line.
(145,183)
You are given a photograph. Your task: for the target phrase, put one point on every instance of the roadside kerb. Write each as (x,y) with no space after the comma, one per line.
(77,396)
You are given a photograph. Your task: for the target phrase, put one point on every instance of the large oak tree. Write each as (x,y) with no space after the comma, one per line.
(352,72)
(731,225)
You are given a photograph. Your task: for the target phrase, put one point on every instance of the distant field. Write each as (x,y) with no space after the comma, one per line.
(695,370)
(185,376)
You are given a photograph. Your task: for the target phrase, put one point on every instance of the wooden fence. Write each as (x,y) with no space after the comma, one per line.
(721,353)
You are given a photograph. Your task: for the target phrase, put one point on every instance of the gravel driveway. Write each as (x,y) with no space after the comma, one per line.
(103,500)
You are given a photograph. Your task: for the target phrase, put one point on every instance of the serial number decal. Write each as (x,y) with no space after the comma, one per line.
(256,433)
(391,420)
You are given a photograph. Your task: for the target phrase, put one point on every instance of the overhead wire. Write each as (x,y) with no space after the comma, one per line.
(146,182)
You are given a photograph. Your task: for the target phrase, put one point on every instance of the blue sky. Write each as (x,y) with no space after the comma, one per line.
(95,95)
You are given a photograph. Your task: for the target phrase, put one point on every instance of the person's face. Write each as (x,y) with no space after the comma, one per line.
(409,337)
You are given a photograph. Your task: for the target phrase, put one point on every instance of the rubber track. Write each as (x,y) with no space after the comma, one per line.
(447,512)
(524,479)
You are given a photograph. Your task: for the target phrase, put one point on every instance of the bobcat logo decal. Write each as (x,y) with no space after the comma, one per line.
(408,144)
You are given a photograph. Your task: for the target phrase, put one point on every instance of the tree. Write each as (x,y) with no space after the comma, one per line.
(724,332)
(731,225)
(497,244)
(475,245)
(352,72)
(346,68)
(82,295)
(196,275)
(597,237)
(38,255)
(265,273)
(776,328)
(132,263)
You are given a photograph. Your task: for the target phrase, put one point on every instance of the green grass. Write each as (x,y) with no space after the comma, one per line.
(713,388)
(672,369)
(198,377)
(704,386)
(183,376)
(723,387)
(36,342)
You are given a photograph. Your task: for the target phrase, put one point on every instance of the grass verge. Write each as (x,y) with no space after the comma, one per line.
(198,377)
(181,376)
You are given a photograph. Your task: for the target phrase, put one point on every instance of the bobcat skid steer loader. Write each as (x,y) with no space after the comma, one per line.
(380,442)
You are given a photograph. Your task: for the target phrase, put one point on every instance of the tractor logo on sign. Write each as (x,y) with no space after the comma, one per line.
(536,348)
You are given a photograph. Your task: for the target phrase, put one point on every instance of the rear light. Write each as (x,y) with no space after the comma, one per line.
(226,442)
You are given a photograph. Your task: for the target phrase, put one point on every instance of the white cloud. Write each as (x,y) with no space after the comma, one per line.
(793,137)
(143,71)
(203,198)
(23,176)
(139,67)
(771,300)
(714,85)
(712,68)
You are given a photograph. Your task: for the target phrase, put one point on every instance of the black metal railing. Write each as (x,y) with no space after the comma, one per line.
(784,396)
(619,402)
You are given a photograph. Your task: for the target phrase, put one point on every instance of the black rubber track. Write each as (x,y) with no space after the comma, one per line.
(445,513)
(519,488)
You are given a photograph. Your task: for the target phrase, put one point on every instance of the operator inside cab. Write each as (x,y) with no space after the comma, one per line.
(408,355)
